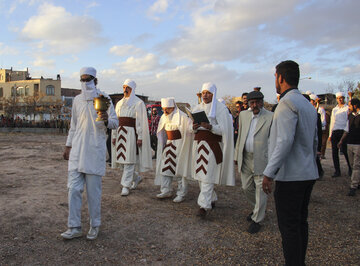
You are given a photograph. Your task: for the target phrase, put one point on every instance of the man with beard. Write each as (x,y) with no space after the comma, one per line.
(212,160)
(173,140)
(131,141)
(251,156)
(86,151)
(292,162)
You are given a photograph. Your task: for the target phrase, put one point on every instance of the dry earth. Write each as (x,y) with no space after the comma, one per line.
(139,229)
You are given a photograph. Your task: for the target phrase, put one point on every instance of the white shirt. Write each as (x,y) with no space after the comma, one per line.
(338,119)
(249,143)
(322,113)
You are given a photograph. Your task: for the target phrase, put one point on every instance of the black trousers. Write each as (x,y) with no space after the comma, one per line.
(335,138)
(292,201)
(153,142)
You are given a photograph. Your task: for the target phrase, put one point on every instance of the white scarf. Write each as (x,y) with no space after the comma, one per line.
(89,90)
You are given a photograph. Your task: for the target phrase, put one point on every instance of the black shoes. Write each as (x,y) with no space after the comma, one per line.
(352,192)
(248,218)
(254,228)
(202,213)
(336,174)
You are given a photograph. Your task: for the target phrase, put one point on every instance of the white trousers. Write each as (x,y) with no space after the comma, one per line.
(252,186)
(166,185)
(128,175)
(207,195)
(76,182)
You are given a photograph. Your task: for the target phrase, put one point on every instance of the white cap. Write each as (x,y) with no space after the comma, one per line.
(339,94)
(88,71)
(208,86)
(167,102)
(313,97)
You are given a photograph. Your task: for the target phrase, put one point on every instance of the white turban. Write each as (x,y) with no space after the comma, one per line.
(211,88)
(132,85)
(308,93)
(167,102)
(313,97)
(88,71)
(340,94)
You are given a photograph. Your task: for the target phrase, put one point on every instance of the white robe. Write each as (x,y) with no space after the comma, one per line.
(124,151)
(167,160)
(87,137)
(222,173)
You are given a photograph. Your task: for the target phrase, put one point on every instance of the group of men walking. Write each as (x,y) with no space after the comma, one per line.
(278,146)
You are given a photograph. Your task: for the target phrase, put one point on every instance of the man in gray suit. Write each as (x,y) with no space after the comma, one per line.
(292,155)
(251,155)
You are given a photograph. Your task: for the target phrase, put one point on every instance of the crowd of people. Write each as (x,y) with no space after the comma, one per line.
(203,144)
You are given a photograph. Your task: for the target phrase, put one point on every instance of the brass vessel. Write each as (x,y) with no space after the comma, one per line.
(101,104)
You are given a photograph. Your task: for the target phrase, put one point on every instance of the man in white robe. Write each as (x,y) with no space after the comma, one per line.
(86,151)
(173,139)
(212,160)
(131,141)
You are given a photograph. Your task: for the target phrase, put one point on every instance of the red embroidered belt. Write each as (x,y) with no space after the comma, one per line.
(173,134)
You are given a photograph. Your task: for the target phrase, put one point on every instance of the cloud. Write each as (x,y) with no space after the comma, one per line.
(140,64)
(63,32)
(7,50)
(159,7)
(41,62)
(126,50)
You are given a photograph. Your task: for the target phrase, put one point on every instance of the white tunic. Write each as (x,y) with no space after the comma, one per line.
(87,137)
(203,162)
(169,151)
(125,151)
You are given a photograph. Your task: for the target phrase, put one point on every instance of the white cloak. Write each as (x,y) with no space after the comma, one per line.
(222,173)
(167,157)
(87,137)
(124,151)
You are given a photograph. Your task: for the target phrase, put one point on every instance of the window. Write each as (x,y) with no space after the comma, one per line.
(50,90)
(13,92)
(27,90)
(1,92)
(36,89)
(20,91)
(1,107)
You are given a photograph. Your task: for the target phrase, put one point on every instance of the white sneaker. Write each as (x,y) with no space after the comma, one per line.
(72,233)
(136,182)
(125,191)
(164,195)
(93,233)
(179,199)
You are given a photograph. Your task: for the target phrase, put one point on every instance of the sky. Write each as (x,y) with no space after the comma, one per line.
(172,47)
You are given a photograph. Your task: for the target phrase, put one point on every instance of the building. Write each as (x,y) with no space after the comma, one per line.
(23,95)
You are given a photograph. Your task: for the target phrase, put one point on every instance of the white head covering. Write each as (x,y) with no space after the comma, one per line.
(339,94)
(211,88)
(88,88)
(168,102)
(88,71)
(313,97)
(308,93)
(132,85)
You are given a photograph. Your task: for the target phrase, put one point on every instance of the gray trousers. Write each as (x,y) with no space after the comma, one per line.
(354,158)
(252,186)
(76,182)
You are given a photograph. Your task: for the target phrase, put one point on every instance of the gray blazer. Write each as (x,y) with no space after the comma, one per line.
(293,140)
(261,137)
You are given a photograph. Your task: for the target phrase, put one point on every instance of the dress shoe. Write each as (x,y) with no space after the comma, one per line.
(164,195)
(93,233)
(254,228)
(248,218)
(136,182)
(213,205)
(202,213)
(352,192)
(72,233)
(336,174)
(178,199)
(125,191)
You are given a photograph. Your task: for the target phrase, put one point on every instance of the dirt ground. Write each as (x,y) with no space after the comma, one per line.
(140,229)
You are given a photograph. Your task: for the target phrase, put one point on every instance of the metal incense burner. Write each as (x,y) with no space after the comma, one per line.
(101,104)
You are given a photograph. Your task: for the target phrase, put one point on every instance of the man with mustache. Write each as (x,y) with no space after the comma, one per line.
(251,155)
(131,141)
